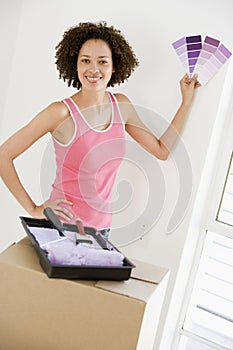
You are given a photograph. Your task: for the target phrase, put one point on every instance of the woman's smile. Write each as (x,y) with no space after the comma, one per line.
(93,79)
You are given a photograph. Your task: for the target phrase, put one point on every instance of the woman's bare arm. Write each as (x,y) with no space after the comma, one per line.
(139,131)
(44,122)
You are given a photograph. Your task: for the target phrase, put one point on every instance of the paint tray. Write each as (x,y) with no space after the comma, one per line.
(90,272)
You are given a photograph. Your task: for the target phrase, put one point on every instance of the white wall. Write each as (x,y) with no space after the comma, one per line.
(9,21)
(150,28)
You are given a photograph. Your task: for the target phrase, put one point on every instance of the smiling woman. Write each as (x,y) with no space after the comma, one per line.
(94,64)
(88,128)
(122,56)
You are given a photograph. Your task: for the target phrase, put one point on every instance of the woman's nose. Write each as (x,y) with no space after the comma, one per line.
(94,68)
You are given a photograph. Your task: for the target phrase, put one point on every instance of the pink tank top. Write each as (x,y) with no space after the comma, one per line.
(87,166)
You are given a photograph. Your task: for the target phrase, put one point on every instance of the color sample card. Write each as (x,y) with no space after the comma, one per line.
(204,59)
(188,49)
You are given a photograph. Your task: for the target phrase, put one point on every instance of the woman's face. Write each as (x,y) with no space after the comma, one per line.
(94,64)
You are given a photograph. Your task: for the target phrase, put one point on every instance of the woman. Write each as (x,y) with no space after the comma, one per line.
(88,128)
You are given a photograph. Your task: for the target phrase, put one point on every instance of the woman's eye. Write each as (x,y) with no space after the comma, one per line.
(85,60)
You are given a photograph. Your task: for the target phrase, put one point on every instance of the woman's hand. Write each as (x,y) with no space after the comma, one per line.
(56,206)
(187,87)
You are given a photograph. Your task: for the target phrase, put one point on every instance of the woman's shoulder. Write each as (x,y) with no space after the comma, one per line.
(53,114)
(58,107)
(121,98)
(58,110)
(125,106)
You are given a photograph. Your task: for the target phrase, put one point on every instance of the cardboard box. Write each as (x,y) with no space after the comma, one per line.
(39,313)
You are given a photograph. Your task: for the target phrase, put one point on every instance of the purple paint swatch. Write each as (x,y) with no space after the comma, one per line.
(179,43)
(193,39)
(212,41)
(193,47)
(218,54)
(225,51)
(188,49)
(205,58)
(193,54)
(209,48)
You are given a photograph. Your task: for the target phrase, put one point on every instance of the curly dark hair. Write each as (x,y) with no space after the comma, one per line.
(124,59)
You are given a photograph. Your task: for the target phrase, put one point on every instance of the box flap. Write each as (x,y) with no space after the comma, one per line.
(25,241)
(148,272)
(132,288)
(142,284)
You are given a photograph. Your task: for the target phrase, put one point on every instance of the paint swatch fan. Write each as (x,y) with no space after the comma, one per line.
(202,58)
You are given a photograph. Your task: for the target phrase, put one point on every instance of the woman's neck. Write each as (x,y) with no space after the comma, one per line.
(87,98)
